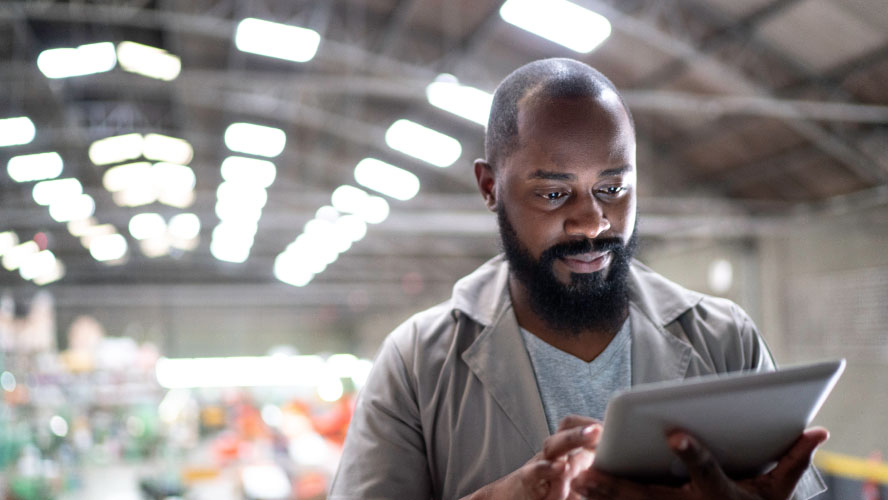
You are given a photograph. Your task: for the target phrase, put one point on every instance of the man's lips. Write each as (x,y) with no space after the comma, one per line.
(588,262)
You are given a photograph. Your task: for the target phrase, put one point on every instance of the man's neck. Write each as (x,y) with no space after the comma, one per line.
(586,344)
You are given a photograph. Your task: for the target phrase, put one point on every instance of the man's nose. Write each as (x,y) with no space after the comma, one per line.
(586,218)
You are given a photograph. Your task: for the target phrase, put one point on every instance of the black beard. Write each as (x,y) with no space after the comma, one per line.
(591,301)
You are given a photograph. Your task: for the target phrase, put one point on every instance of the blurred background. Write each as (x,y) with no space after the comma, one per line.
(213,211)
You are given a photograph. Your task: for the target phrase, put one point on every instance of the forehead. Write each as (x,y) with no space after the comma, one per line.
(596,128)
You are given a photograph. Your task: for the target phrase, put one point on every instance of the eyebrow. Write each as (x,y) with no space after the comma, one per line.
(561,176)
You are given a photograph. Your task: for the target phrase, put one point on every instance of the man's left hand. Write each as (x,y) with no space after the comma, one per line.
(707,479)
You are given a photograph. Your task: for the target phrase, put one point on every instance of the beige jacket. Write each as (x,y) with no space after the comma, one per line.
(452,403)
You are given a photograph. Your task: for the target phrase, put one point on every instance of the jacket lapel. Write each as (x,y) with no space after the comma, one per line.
(499,359)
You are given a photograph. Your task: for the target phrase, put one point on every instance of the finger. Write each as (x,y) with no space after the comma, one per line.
(706,474)
(797,460)
(537,477)
(572,421)
(562,442)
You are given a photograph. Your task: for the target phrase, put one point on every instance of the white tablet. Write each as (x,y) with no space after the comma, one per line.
(748,420)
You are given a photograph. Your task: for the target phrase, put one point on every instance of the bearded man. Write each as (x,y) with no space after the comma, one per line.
(499,392)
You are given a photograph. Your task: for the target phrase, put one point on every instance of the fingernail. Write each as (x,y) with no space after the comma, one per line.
(588,430)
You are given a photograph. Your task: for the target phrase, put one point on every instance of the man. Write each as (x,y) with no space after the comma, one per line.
(498,392)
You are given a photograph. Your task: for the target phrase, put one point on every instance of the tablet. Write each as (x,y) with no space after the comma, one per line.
(748,420)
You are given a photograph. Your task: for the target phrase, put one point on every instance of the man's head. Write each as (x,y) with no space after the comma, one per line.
(560,175)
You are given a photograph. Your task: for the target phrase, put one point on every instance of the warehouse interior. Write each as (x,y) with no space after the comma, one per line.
(762,132)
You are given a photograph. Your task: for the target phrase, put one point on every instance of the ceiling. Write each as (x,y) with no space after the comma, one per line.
(748,113)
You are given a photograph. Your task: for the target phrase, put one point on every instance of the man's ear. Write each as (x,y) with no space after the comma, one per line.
(486,178)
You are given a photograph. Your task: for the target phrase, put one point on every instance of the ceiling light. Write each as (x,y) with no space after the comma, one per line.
(375,210)
(83,60)
(8,240)
(73,208)
(245,195)
(277,40)
(147,225)
(468,102)
(16,131)
(178,199)
(173,177)
(35,167)
(230,251)
(123,176)
(184,226)
(116,149)
(256,140)
(148,61)
(54,274)
(94,232)
(168,149)
(289,270)
(108,247)
(80,227)
(326,233)
(348,199)
(17,255)
(233,211)
(135,196)
(45,192)
(560,21)
(327,213)
(422,142)
(351,226)
(37,264)
(155,247)
(387,179)
(251,171)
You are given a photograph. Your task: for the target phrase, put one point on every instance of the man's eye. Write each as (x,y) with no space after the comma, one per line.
(613,190)
(553,196)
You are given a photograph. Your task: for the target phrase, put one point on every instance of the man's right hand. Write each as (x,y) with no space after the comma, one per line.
(547,476)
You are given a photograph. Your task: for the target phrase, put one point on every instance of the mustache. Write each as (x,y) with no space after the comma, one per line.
(585,245)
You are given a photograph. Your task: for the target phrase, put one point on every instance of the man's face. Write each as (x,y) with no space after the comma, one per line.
(566,204)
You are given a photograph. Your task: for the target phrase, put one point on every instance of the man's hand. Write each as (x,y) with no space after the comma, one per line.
(707,480)
(548,475)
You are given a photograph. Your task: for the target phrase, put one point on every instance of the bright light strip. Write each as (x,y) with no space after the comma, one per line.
(387,179)
(167,149)
(245,195)
(292,272)
(464,101)
(81,226)
(375,210)
(424,143)
(74,208)
(46,192)
(116,149)
(122,176)
(38,264)
(35,167)
(16,131)
(184,226)
(17,255)
(56,273)
(348,199)
(560,21)
(173,177)
(227,251)
(8,240)
(148,61)
(256,140)
(96,231)
(250,171)
(147,225)
(108,247)
(281,41)
(83,60)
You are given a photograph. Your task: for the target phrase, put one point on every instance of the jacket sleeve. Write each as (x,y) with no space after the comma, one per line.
(384,455)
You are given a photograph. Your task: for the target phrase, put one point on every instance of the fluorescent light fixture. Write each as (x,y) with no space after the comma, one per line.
(123,176)
(281,41)
(184,226)
(229,251)
(81,226)
(251,171)
(422,142)
(292,272)
(348,199)
(108,247)
(135,196)
(256,140)
(147,225)
(8,240)
(73,208)
(375,210)
(35,167)
(232,211)
(327,213)
(167,149)
(386,179)
(155,247)
(148,61)
(96,231)
(464,101)
(16,131)
(116,149)
(54,274)
(352,227)
(37,264)
(83,60)
(46,192)
(325,233)
(560,21)
(17,255)
(178,199)
(173,177)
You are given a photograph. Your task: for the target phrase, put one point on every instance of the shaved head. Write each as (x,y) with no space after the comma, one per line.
(543,79)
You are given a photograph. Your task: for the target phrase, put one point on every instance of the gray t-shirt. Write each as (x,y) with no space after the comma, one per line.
(568,385)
